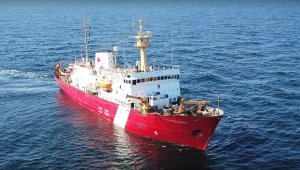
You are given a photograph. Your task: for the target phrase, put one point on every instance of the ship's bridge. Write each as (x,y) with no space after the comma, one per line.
(153,75)
(160,85)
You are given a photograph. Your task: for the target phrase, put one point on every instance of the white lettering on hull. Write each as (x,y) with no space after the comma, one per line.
(122,116)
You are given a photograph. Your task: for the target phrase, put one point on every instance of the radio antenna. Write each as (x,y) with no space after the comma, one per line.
(218,103)
(172,49)
(85,26)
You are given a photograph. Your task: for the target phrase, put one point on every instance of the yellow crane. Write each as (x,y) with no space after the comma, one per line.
(144,103)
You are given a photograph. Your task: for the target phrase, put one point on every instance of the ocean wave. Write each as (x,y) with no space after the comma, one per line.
(23,74)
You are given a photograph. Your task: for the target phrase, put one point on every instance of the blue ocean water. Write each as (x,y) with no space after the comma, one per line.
(248,52)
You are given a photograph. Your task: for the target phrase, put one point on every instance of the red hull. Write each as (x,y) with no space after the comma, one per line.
(192,131)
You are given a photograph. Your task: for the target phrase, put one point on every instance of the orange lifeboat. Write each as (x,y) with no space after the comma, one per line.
(105,85)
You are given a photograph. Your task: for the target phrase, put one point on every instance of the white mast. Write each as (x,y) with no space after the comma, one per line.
(85,26)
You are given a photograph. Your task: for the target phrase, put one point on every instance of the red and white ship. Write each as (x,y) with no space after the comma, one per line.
(141,99)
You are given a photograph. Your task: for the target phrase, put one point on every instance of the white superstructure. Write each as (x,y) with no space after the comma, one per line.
(159,85)
(104,78)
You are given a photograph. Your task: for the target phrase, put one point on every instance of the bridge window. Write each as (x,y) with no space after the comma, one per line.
(133,82)
(142,80)
(151,78)
(138,80)
(169,77)
(158,78)
(162,77)
(166,77)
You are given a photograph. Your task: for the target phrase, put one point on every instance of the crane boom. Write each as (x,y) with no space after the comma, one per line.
(205,102)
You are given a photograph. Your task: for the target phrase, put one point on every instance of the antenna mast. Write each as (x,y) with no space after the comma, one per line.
(172,49)
(142,42)
(85,26)
(218,103)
